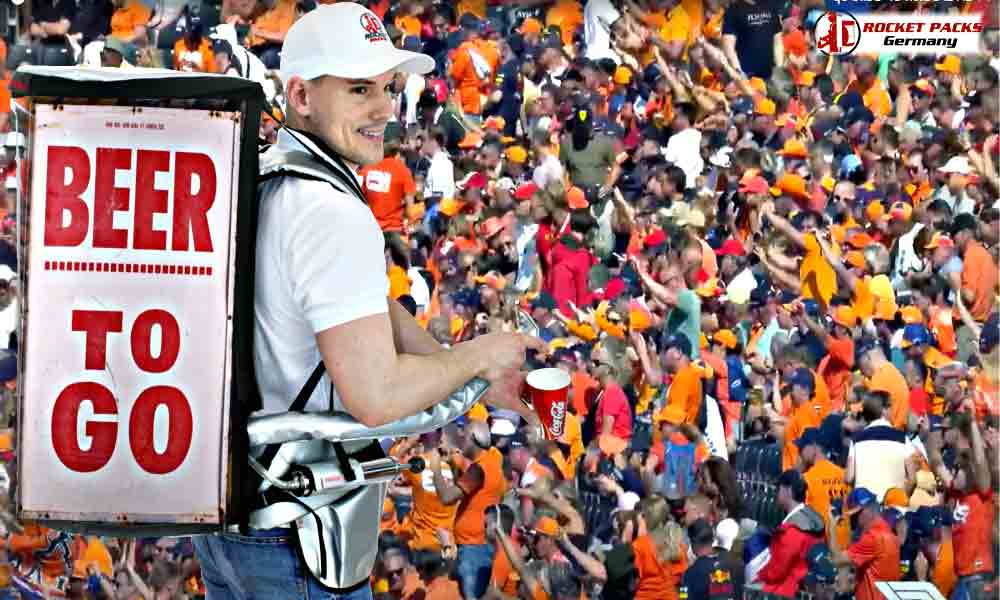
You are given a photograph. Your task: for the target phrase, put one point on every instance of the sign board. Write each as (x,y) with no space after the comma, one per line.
(127,357)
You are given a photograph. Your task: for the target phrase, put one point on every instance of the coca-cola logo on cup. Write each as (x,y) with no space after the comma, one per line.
(558,413)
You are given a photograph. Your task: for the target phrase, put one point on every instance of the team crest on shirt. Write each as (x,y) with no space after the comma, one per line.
(720,576)
(720,583)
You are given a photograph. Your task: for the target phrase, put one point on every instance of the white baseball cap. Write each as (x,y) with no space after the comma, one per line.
(957,164)
(725,533)
(344,40)
(627,501)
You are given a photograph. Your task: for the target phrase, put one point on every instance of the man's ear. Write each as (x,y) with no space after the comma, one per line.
(297,96)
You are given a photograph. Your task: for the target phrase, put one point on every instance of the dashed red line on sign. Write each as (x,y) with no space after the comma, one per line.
(136,268)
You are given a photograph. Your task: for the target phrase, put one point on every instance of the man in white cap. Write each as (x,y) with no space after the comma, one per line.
(321,293)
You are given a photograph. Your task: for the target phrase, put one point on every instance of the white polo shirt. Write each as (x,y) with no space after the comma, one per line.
(320,263)
(879,452)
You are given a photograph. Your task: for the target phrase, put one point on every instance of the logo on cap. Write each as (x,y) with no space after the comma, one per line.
(374,32)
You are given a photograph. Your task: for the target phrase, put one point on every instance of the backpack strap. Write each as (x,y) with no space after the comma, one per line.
(297,405)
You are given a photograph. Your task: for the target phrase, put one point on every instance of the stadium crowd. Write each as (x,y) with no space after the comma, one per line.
(770,273)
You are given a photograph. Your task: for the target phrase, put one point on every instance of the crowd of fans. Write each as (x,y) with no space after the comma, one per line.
(728,239)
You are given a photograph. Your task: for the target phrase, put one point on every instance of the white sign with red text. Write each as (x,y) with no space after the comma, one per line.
(126,374)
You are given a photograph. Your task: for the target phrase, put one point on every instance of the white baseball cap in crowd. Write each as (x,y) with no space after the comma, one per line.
(725,533)
(627,501)
(957,164)
(344,40)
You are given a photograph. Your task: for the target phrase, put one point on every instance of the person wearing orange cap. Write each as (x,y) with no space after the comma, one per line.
(678,449)
(725,343)
(763,126)
(945,259)
(515,162)
(567,16)
(949,72)
(793,149)
(531,31)
(543,545)
(836,366)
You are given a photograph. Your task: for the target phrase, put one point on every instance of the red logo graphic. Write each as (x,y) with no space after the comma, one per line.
(837,33)
(370,23)
(373,28)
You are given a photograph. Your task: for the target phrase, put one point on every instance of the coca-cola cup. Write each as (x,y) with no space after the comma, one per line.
(548,390)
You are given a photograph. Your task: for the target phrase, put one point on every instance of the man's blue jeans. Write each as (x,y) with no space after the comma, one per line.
(475,564)
(262,566)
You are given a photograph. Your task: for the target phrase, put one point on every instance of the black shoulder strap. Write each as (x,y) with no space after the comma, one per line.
(297,405)
(307,390)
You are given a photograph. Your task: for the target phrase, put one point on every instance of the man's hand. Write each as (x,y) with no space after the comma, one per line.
(433,459)
(608,485)
(507,352)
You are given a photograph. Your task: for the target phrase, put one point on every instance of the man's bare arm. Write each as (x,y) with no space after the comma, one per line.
(378,385)
(408,335)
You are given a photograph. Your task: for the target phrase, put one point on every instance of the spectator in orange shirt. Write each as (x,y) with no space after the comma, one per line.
(883,376)
(389,188)
(980,277)
(268,30)
(835,368)
(971,496)
(193,51)
(428,514)
(869,85)
(936,546)
(824,479)
(875,556)
(128,22)
(481,485)
(434,571)
(803,415)
(503,578)
(686,387)
(469,69)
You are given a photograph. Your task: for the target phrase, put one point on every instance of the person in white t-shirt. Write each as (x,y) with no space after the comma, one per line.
(321,284)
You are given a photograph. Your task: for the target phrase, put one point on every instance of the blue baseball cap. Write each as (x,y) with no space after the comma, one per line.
(848,164)
(820,565)
(860,498)
(810,436)
(864,345)
(916,334)
(742,105)
(803,377)
(679,341)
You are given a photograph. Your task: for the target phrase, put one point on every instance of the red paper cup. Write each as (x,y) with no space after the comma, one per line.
(548,390)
